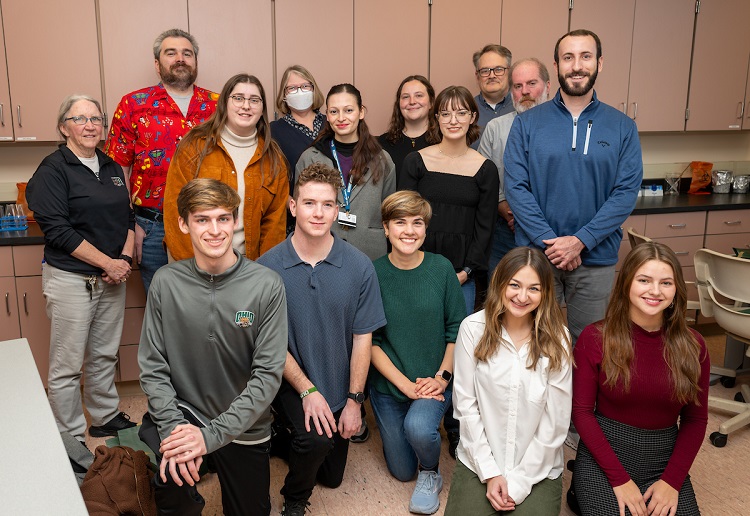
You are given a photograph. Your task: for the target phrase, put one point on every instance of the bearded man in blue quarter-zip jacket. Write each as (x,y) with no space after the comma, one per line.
(573,169)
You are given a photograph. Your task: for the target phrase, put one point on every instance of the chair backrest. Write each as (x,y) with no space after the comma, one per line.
(729,318)
(635,238)
(727,275)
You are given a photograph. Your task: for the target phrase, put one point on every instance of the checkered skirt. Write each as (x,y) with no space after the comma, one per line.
(643,453)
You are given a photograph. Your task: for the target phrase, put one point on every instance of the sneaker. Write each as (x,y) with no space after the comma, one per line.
(571,441)
(453,438)
(294,507)
(120,422)
(362,435)
(425,499)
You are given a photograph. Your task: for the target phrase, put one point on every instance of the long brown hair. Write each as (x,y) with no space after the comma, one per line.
(456,97)
(548,334)
(211,129)
(367,151)
(396,127)
(681,348)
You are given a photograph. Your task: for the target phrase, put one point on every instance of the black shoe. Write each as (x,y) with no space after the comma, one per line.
(363,435)
(453,438)
(573,501)
(120,422)
(294,507)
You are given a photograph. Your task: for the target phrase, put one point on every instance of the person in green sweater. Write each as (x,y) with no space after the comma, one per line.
(412,356)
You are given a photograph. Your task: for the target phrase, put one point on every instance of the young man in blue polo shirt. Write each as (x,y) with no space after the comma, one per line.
(334,305)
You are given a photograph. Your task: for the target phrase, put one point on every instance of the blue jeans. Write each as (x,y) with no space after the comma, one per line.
(503,240)
(470,293)
(153,255)
(409,430)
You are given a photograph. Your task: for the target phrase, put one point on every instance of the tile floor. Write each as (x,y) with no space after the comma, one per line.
(721,476)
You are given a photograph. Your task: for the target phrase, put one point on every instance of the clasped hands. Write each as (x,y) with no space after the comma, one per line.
(182,454)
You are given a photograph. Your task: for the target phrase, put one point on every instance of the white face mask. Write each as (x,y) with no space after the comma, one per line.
(301,101)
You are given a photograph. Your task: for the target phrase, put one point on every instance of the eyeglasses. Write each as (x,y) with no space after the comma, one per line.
(82,120)
(291,90)
(498,70)
(239,100)
(463,115)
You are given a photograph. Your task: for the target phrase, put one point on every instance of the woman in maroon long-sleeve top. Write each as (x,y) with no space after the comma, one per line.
(638,372)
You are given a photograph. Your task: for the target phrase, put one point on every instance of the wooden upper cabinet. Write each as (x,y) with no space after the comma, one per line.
(6,110)
(612,21)
(318,35)
(375,24)
(719,74)
(235,36)
(128,31)
(660,64)
(458,30)
(746,119)
(531,29)
(52,52)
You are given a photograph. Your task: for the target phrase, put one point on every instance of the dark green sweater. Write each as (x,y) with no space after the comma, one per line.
(424,308)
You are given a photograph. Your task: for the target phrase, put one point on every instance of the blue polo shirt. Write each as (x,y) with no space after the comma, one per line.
(327,305)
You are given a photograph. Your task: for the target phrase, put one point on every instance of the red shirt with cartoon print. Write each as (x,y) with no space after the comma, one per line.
(145,130)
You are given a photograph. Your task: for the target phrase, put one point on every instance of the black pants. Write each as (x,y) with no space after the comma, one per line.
(244,475)
(312,457)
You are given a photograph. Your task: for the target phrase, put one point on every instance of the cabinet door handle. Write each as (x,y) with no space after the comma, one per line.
(740,110)
(635,110)
(678,226)
(7,302)
(732,222)
(623,108)
(682,253)
(2,116)
(25,305)
(19,116)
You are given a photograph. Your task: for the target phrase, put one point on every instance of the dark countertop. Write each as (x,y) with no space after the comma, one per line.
(31,236)
(686,202)
(643,206)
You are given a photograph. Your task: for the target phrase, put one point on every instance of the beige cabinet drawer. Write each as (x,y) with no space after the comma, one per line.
(6,261)
(131,326)
(725,243)
(27,259)
(675,224)
(135,295)
(637,222)
(128,364)
(683,247)
(729,221)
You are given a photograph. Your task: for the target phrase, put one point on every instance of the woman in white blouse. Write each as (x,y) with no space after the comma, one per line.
(512,394)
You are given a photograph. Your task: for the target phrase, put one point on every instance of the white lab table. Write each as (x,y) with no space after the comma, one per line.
(36,476)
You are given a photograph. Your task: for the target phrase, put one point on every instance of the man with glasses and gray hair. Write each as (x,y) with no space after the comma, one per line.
(146,128)
(491,65)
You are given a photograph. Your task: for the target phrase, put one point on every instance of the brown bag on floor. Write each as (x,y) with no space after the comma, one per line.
(119,483)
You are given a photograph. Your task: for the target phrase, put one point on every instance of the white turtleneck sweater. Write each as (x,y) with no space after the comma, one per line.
(241,149)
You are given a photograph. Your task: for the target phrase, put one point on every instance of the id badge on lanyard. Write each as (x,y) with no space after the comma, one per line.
(346,217)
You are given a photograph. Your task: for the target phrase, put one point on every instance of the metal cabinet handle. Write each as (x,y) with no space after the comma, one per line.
(7,302)
(682,253)
(2,116)
(740,110)
(25,305)
(732,222)
(678,226)
(635,110)
(623,108)
(19,116)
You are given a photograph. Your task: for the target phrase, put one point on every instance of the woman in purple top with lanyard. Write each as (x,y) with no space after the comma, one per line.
(367,171)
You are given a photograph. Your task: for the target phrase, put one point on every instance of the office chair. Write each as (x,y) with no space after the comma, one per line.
(724,289)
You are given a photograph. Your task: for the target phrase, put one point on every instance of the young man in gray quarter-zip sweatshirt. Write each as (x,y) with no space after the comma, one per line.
(214,336)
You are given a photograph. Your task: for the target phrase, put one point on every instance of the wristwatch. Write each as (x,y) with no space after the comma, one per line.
(127,258)
(359,397)
(445,375)
(468,271)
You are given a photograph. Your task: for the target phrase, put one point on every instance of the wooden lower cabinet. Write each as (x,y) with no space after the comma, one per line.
(9,325)
(35,325)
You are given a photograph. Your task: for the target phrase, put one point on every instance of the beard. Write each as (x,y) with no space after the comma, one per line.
(526,102)
(179,76)
(578,90)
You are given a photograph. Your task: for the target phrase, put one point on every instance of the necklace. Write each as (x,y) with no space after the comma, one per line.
(452,157)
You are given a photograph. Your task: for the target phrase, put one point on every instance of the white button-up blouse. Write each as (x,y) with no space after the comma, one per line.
(513,420)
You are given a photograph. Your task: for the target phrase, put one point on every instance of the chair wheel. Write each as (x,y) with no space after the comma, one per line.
(571,464)
(718,439)
(728,381)
(739,397)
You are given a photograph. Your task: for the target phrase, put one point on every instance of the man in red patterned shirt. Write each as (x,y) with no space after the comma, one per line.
(146,128)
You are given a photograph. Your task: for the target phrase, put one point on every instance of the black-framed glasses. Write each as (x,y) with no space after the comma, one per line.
(239,100)
(499,71)
(291,90)
(82,120)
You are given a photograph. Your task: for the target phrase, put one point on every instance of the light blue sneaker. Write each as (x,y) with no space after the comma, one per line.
(425,499)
